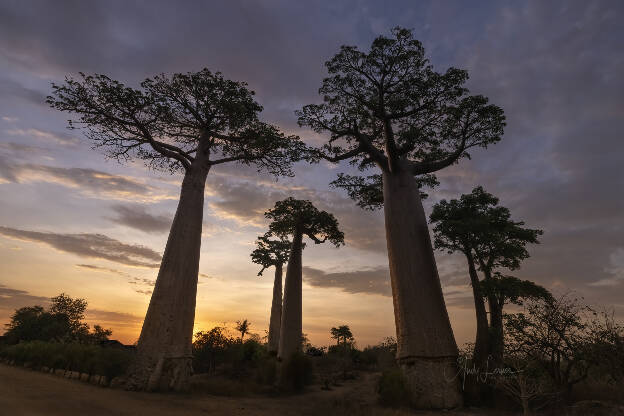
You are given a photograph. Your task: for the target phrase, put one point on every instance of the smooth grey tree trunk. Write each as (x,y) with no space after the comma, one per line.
(426,349)
(291,324)
(276,312)
(164,350)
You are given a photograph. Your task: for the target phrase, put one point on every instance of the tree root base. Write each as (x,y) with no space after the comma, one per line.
(433,383)
(167,374)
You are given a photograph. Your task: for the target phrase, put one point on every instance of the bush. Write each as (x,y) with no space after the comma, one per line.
(297,373)
(89,359)
(267,371)
(392,388)
(112,362)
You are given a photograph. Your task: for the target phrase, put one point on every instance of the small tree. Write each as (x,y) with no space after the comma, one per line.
(62,322)
(342,333)
(273,253)
(556,334)
(208,347)
(74,309)
(296,218)
(32,323)
(483,231)
(99,334)
(526,383)
(190,123)
(243,327)
(388,109)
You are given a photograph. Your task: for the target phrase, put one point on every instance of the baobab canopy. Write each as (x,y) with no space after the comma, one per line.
(165,121)
(270,252)
(389,108)
(293,215)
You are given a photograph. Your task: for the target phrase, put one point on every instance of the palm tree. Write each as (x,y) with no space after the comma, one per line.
(243,327)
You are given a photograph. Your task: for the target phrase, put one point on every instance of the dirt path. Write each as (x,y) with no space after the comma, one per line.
(30,393)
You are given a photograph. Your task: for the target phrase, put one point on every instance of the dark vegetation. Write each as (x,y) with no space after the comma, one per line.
(556,350)
(57,338)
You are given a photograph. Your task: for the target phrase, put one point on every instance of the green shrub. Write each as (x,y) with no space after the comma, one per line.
(297,372)
(112,362)
(266,372)
(392,388)
(90,359)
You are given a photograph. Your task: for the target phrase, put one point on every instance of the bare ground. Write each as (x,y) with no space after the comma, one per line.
(31,393)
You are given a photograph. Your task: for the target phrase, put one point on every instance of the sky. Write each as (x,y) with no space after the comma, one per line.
(72,221)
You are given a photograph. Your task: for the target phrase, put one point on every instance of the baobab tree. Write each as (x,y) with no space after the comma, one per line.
(460,226)
(298,218)
(483,231)
(274,253)
(181,123)
(389,109)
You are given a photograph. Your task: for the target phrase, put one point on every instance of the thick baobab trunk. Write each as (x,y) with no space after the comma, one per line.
(164,353)
(481,349)
(290,330)
(276,312)
(426,349)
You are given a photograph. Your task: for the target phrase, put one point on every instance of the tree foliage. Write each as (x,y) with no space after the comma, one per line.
(560,335)
(367,191)
(62,322)
(509,289)
(476,223)
(342,334)
(173,120)
(388,107)
(243,326)
(270,252)
(291,216)
(209,347)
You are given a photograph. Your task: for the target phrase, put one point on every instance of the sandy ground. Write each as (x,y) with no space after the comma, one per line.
(31,393)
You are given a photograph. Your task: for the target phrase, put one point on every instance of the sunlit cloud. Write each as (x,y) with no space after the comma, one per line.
(246,202)
(57,138)
(137,217)
(372,281)
(94,268)
(11,299)
(90,182)
(96,246)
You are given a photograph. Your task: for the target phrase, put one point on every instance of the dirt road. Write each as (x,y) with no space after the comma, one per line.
(30,393)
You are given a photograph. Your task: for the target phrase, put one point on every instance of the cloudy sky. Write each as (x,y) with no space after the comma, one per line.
(71,221)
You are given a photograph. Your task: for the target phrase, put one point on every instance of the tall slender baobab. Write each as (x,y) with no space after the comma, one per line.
(273,253)
(461,226)
(483,230)
(388,108)
(189,123)
(296,218)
